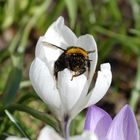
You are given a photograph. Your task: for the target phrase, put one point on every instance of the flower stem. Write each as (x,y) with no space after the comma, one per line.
(65,127)
(67,124)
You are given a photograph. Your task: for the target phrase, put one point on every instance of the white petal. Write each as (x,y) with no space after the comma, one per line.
(102,84)
(85,136)
(48,54)
(70,90)
(47,133)
(59,34)
(15,138)
(44,84)
(88,43)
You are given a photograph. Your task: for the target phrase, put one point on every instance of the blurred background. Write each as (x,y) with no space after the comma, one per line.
(115,24)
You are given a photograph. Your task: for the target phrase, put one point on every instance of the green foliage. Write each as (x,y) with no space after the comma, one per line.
(16,123)
(12,85)
(114,24)
(135,92)
(72,11)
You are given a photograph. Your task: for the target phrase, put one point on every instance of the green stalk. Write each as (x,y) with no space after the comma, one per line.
(37,114)
(135,95)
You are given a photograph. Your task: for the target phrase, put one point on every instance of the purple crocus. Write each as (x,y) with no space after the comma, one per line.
(122,127)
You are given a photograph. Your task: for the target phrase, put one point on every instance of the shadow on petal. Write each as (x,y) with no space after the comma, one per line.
(70,90)
(44,84)
(102,84)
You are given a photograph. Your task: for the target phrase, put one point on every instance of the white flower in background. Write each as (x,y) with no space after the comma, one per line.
(15,138)
(65,96)
(47,133)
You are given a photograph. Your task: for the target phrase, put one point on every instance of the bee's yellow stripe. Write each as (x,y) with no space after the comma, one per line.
(77,50)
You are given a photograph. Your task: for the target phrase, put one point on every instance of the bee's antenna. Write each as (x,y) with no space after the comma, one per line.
(90,51)
(49,44)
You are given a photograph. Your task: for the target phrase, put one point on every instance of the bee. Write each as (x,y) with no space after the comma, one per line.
(74,58)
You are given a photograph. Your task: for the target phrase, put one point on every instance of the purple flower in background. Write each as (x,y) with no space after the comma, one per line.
(122,127)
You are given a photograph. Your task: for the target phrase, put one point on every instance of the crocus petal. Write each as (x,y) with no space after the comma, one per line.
(47,133)
(15,138)
(57,34)
(124,126)
(48,54)
(44,84)
(70,90)
(97,121)
(60,35)
(102,84)
(85,136)
(88,43)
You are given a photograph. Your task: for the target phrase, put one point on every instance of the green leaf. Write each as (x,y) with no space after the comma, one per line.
(3,136)
(136,12)
(135,94)
(12,85)
(16,123)
(115,11)
(135,31)
(37,114)
(9,13)
(72,11)
(131,42)
(4,54)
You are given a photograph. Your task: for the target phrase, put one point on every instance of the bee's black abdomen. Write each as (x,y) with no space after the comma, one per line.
(59,65)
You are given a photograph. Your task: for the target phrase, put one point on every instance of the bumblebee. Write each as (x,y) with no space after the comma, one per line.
(74,58)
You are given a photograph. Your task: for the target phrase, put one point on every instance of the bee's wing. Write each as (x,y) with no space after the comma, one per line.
(52,45)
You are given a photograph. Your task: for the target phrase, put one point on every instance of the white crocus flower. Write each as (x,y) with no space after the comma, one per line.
(47,133)
(15,138)
(64,96)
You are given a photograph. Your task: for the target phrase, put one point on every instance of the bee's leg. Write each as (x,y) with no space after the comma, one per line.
(75,74)
(88,67)
(56,74)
